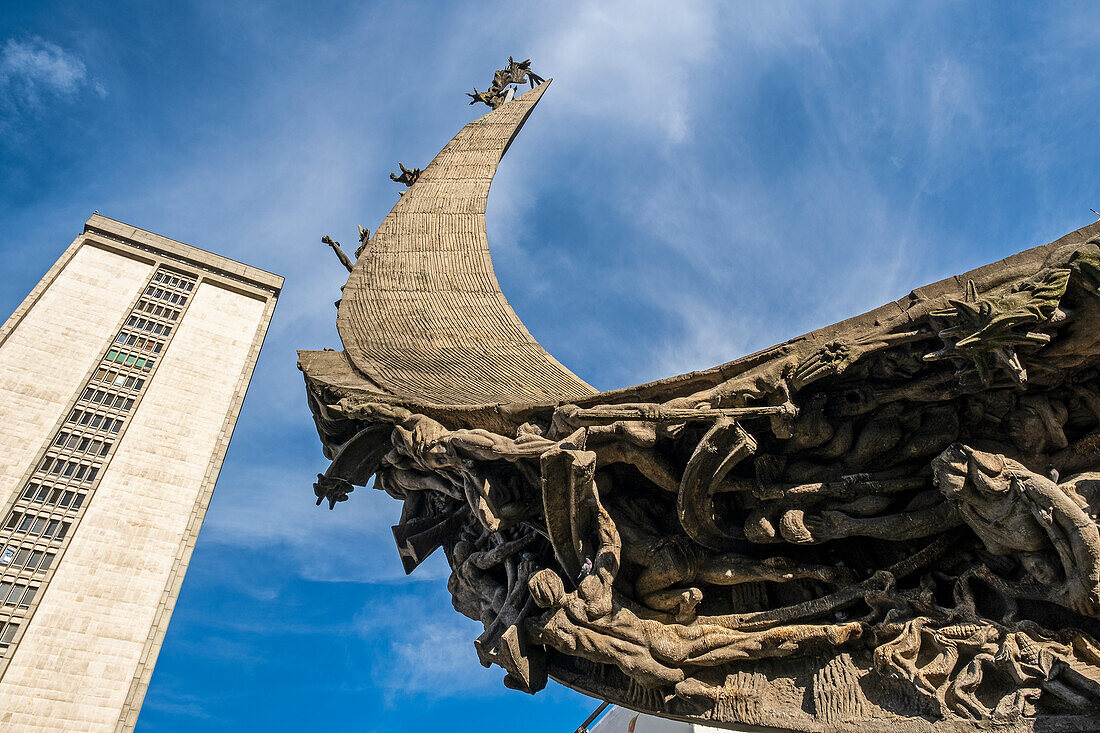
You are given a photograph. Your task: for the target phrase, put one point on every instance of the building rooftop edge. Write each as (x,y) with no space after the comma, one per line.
(236,270)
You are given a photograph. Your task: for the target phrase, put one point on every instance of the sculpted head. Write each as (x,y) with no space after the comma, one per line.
(461,552)
(986,488)
(546,588)
(424,443)
(965,474)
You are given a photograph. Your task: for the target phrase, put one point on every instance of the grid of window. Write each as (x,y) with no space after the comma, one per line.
(94,421)
(16,594)
(15,558)
(61,484)
(50,495)
(73,470)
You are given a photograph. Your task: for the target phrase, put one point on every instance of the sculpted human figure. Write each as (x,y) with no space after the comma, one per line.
(673,566)
(491,97)
(408,176)
(339,252)
(478,593)
(516,72)
(433,449)
(594,623)
(364,239)
(1022,514)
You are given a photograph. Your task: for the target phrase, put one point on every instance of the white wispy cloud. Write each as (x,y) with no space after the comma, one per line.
(33,70)
(272,509)
(435,655)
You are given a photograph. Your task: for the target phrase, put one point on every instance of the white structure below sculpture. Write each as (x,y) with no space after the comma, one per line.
(624,720)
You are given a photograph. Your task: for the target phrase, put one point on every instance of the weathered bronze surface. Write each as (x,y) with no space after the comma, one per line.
(888,524)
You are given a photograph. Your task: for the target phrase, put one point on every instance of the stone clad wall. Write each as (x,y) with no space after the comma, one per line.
(89,637)
(53,340)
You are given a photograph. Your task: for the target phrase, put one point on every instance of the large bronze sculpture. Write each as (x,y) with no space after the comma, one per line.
(888,524)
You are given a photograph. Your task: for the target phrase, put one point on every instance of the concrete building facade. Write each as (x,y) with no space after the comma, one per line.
(121,378)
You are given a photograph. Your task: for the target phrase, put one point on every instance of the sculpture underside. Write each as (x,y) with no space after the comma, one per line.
(886,524)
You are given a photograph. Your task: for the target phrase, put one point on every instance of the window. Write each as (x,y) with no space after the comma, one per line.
(63,531)
(21,557)
(13,594)
(8,633)
(13,518)
(6,555)
(47,560)
(25,523)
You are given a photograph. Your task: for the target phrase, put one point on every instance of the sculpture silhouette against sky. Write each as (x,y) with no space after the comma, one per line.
(885,524)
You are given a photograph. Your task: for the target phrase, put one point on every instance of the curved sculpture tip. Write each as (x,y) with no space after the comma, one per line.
(422,314)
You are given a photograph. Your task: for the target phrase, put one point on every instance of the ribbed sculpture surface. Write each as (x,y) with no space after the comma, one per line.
(885,525)
(422,313)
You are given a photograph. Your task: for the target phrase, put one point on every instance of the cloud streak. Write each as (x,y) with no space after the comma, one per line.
(34,70)
(435,656)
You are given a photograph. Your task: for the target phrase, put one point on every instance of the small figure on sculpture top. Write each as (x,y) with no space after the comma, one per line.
(408,177)
(364,236)
(517,72)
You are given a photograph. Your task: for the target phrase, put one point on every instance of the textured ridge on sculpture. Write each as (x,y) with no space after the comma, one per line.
(422,314)
(888,524)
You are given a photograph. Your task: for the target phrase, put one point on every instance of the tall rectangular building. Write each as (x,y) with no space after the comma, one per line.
(121,378)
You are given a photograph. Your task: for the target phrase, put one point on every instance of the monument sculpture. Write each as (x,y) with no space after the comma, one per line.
(888,524)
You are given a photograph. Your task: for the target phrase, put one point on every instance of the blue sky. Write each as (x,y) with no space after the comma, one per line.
(703,180)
